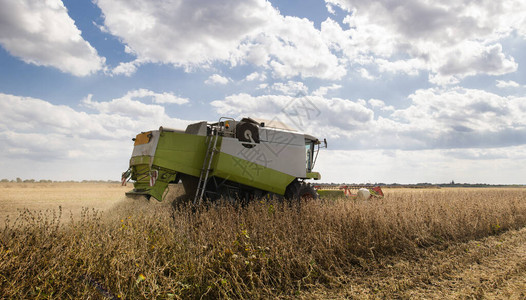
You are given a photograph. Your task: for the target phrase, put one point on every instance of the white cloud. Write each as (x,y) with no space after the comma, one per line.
(330,117)
(445,119)
(291,88)
(256,76)
(480,59)
(460,118)
(197,33)
(323,90)
(160,98)
(184,32)
(379,104)
(410,66)
(42,33)
(450,40)
(472,165)
(365,74)
(476,130)
(506,84)
(300,50)
(112,119)
(330,8)
(125,107)
(217,79)
(30,115)
(128,107)
(125,68)
(56,137)
(262,86)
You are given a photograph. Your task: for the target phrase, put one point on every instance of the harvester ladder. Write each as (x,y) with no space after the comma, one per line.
(205,170)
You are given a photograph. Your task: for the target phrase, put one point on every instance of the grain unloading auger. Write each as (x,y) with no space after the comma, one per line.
(236,160)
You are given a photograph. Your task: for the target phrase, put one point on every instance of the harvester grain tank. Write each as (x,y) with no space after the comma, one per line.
(237,160)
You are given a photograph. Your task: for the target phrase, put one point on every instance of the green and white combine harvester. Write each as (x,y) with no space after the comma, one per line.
(230,159)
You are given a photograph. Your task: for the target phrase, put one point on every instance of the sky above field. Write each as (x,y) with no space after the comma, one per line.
(403,91)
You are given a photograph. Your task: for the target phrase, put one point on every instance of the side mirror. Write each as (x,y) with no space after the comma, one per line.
(325,142)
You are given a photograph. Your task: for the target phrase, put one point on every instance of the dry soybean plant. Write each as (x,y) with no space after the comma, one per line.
(141,249)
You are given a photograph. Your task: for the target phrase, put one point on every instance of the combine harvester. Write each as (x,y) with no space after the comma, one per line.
(236,160)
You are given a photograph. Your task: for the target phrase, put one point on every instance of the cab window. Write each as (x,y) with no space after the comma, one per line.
(309,148)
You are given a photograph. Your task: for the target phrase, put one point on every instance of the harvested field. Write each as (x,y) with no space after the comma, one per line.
(443,243)
(72,197)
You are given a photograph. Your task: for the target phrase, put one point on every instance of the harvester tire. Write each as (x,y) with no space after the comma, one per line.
(300,192)
(245,131)
(307,192)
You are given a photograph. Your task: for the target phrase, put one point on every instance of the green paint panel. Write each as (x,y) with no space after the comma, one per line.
(313,175)
(142,183)
(251,174)
(139,160)
(140,172)
(176,152)
(181,152)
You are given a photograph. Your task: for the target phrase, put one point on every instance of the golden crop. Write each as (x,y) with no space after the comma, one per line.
(140,249)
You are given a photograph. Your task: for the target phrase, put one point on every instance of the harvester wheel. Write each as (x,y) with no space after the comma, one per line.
(300,192)
(307,192)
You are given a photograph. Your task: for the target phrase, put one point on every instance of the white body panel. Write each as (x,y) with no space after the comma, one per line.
(283,151)
(149,148)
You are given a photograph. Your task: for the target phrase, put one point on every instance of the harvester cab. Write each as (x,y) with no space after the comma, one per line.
(234,159)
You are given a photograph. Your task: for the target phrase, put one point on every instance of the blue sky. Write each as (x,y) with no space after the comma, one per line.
(407,92)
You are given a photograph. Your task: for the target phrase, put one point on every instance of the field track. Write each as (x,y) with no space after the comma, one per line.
(492,267)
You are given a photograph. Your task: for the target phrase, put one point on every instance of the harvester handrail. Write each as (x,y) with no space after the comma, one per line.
(221,126)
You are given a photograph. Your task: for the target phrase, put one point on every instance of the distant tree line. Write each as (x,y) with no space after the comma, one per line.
(20,180)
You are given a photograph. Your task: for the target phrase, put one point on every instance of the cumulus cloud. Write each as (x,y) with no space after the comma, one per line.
(198,33)
(490,165)
(409,66)
(462,118)
(255,76)
(323,90)
(479,60)
(125,107)
(42,33)
(440,127)
(450,41)
(184,32)
(330,117)
(436,118)
(125,68)
(379,104)
(506,84)
(290,88)
(34,128)
(217,79)
(160,98)
(262,86)
(364,73)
